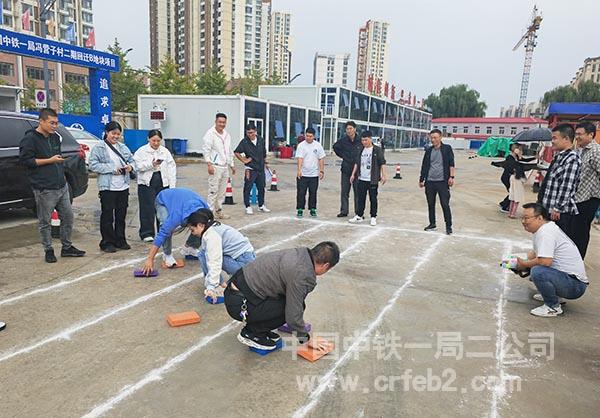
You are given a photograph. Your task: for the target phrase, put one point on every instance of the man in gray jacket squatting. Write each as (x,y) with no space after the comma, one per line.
(271,290)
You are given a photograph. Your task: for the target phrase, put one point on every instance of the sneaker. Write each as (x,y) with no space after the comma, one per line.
(503,210)
(546,311)
(262,342)
(264,209)
(71,252)
(187,250)
(169,260)
(430,227)
(50,257)
(313,213)
(373,221)
(539,298)
(2,325)
(355,219)
(109,248)
(449,230)
(342,215)
(249,211)
(299,213)
(148,239)
(273,336)
(220,215)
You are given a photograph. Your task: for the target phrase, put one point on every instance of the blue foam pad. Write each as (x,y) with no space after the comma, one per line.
(278,346)
(191,257)
(220,299)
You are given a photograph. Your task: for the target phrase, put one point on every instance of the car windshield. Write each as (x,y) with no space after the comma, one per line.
(79,134)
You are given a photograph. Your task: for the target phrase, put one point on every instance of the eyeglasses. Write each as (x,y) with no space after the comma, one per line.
(525,218)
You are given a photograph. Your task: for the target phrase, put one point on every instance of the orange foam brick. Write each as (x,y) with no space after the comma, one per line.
(311,354)
(180,263)
(183,318)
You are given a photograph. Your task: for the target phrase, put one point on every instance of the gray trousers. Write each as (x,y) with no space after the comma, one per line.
(46,201)
(162,213)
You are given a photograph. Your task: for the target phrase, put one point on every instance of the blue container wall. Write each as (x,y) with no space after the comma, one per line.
(135,138)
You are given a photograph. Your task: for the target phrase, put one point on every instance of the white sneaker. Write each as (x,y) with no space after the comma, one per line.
(148,239)
(546,311)
(169,260)
(373,221)
(539,298)
(265,209)
(356,219)
(186,250)
(249,210)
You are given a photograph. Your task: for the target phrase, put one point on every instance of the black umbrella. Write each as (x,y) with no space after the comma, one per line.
(533,135)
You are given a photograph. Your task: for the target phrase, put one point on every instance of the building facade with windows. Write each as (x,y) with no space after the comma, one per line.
(533,109)
(69,21)
(281,46)
(397,126)
(372,57)
(331,69)
(589,71)
(233,34)
(483,128)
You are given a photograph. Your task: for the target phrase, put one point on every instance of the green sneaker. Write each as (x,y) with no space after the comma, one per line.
(299,213)
(313,213)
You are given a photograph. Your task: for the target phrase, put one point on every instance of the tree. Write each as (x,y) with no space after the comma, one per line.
(76,98)
(166,79)
(587,91)
(213,81)
(247,85)
(456,101)
(125,84)
(28,98)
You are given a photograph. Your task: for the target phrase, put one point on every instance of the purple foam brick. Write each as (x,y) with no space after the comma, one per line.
(140,273)
(286,328)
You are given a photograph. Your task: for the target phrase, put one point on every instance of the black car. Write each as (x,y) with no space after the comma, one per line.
(15,191)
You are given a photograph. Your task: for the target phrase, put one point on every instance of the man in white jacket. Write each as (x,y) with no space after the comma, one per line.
(218,154)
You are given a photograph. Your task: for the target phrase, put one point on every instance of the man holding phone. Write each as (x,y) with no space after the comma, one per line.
(40,151)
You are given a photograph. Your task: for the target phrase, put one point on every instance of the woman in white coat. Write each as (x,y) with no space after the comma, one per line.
(156,171)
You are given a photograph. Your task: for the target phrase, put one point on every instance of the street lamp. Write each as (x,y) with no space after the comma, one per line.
(286,49)
(44,8)
(293,78)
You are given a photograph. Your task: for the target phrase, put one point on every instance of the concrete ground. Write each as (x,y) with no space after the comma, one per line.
(424,324)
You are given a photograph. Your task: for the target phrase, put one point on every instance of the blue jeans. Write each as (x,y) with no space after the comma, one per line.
(230,265)
(552,284)
(162,214)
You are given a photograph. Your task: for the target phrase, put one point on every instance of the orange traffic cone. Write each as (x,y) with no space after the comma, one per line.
(274,182)
(55,224)
(229,193)
(398,175)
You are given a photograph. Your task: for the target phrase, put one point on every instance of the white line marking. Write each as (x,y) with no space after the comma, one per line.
(64,283)
(156,374)
(360,242)
(326,380)
(499,390)
(66,334)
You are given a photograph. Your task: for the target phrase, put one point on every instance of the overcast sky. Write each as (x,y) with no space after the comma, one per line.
(433,43)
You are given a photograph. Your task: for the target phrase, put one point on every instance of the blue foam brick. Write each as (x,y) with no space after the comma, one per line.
(190,257)
(260,352)
(220,299)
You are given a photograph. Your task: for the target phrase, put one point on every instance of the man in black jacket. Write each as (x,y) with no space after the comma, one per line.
(346,148)
(437,176)
(40,152)
(254,158)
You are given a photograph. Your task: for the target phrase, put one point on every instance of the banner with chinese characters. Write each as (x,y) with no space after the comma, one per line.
(33,46)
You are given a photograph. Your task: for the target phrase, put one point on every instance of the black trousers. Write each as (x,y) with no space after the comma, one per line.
(302,185)
(146,198)
(566,224)
(505,179)
(345,193)
(263,314)
(582,223)
(112,219)
(441,189)
(251,177)
(362,188)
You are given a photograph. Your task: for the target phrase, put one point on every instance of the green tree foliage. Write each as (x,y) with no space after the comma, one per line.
(76,98)
(212,81)
(126,84)
(456,101)
(587,91)
(28,95)
(166,79)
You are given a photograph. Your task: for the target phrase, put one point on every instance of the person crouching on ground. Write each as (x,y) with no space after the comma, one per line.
(222,248)
(173,208)
(271,291)
(557,269)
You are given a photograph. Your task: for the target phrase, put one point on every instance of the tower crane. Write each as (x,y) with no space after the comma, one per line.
(529,38)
